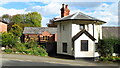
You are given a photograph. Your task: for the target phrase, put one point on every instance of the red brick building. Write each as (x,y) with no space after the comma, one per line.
(3,27)
(40,34)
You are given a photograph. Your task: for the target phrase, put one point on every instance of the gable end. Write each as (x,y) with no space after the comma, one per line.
(80,33)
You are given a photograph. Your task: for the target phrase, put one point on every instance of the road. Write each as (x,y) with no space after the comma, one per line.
(15,62)
(27,60)
(22,63)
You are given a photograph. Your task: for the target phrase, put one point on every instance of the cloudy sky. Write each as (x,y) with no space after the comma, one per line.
(106,11)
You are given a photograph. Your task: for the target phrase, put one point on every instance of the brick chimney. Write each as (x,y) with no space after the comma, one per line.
(62,11)
(66,11)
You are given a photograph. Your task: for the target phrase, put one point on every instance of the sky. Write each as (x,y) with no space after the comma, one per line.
(106,10)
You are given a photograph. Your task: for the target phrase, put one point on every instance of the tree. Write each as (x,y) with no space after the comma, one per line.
(8,39)
(6,18)
(16,30)
(34,19)
(18,18)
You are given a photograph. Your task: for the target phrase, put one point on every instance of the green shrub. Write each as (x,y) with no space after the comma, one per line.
(8,39)
(30,47)
(118,59)
(103,59)
(16,30)
(108,46)
(20,47)
(36,51)
(111,58)
(42,52)
(8,51)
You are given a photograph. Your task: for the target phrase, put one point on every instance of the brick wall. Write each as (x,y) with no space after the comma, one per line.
(44,37)
(3,27)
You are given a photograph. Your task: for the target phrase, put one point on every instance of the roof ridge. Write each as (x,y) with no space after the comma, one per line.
(74,15)
(64,17)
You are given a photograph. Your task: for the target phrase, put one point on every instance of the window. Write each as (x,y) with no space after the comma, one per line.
(45,38)
(60,27)
(82,26)
(88,27)
(63,27)
(84,45)
(65,47)
(96,47)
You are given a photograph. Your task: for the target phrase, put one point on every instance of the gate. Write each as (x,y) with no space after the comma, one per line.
(51,48)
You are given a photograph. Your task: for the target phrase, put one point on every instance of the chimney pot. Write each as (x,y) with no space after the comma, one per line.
(66,6)
(62,11)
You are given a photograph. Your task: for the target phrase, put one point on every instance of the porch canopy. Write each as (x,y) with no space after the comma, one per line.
(80,18)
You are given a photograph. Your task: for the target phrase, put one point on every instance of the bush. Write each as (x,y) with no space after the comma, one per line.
(8,51)
(28,48)
(20,47)
(37,51)
(8,39)
(16,30)
(108,46)
(111,58)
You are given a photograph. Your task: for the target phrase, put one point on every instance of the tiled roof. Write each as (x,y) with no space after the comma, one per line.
(109,32)
(79,16)
(39,30)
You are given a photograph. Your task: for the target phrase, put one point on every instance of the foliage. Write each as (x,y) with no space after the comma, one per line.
(108,46)
(34,19)
(32,43)
(8,39)
(20,47)
(16,30)
(103,49)
(110,58)
(39,51)
(8,51)
(24,25)
(11,39)
(28,48)
(18,18)
(6,18)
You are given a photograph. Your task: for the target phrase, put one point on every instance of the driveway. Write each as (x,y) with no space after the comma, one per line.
(28,60)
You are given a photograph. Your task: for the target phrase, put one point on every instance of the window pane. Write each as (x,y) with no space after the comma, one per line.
(82,26)
(87,27)
(84,45)
(43,37)
(47,37)
(63,27)
(65,47)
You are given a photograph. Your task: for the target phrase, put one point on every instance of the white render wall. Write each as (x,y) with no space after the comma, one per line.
(64,36)
(91,47)
(75,29)
(69,31)
(97,30)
